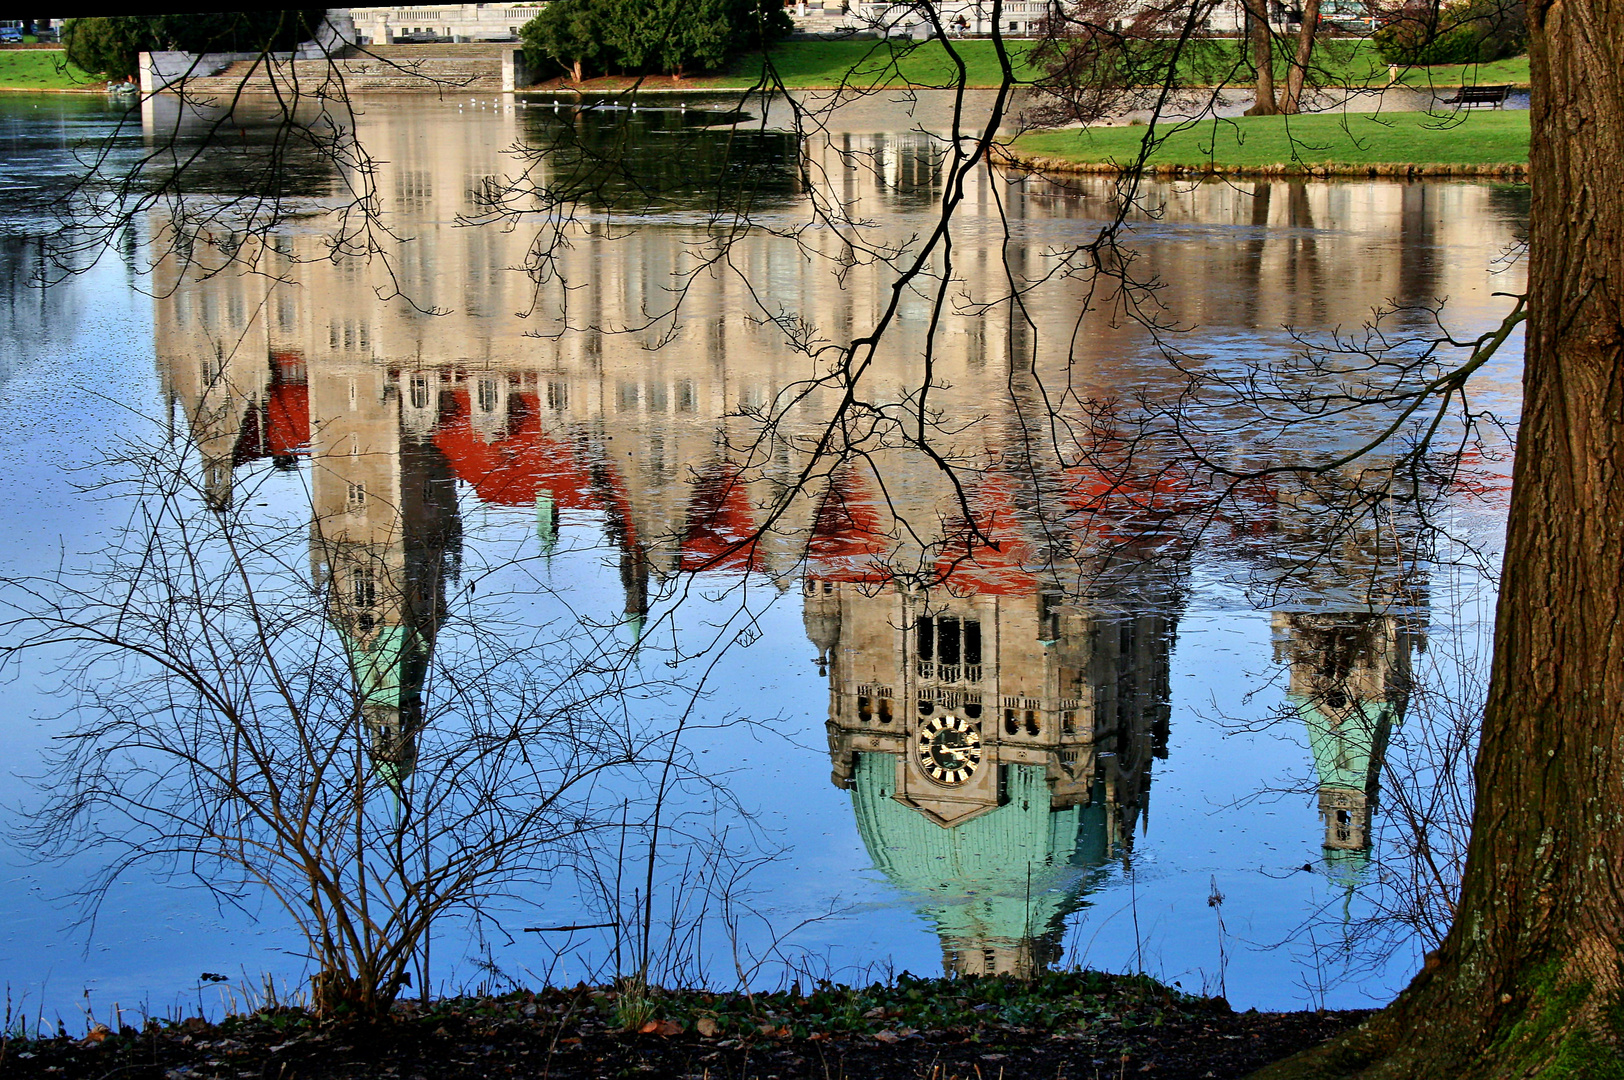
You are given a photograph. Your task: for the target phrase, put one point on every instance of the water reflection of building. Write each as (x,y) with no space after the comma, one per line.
(597,382)
(385,537)
(995,727)
(385,534)
(434,163)
(1349,683)
(640,435)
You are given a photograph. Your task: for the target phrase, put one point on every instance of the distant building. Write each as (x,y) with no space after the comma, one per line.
(967,18)
(447,22)
(1023,18)
(1017,18)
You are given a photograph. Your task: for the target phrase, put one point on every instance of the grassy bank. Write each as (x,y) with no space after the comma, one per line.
(825,65)
(817,64)
(1334,144)
(1076,1024)
(41,69)
(822,64)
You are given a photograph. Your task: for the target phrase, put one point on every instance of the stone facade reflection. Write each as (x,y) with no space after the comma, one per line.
(385,539)
(995,716)
(995,721)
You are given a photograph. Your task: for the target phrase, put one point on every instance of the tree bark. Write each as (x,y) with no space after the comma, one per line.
(1261,40)
(1298,73)
(1528,980)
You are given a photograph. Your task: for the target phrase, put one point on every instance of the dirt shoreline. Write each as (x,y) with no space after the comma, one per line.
(473,1048)
(1070,1026)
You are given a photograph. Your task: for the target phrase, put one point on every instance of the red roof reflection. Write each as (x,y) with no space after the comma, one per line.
(520,464)
(721,524)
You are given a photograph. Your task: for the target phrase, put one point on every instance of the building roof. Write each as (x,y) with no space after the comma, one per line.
(722,533)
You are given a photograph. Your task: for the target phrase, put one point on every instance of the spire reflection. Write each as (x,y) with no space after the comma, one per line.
(385,539)
(1350,684)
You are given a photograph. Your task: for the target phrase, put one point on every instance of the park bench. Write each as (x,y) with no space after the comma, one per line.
(1471,97)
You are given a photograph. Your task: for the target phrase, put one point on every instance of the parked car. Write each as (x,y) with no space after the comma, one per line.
(11,35)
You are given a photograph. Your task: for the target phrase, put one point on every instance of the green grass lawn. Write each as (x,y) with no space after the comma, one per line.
(1354,61)
(820,64)
(1480,137)
(40,69)
(1513,72)
(817,64)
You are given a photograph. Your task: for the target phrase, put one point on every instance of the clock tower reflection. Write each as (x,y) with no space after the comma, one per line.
(995,731)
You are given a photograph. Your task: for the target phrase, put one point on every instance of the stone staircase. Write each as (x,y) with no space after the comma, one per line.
(472,50)
(418,69)
(821,22)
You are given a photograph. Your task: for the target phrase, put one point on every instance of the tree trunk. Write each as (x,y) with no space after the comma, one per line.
(1298,74)
(1529,976)
(575,71)
(1262,42)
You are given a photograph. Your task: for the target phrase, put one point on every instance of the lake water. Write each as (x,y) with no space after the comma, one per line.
(958,686)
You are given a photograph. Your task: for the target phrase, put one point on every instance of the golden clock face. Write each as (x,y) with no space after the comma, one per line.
(949,749)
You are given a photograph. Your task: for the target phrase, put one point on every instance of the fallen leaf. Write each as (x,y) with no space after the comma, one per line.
(661,1027)
(707,1027)
(887,1036)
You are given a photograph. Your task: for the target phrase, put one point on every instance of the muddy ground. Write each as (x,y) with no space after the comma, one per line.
(1089,1028)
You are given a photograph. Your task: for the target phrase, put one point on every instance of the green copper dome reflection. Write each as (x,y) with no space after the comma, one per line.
(1347,743)
(388,667)
(1002,882)
(547,521)
(377,663)
(1348,739)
